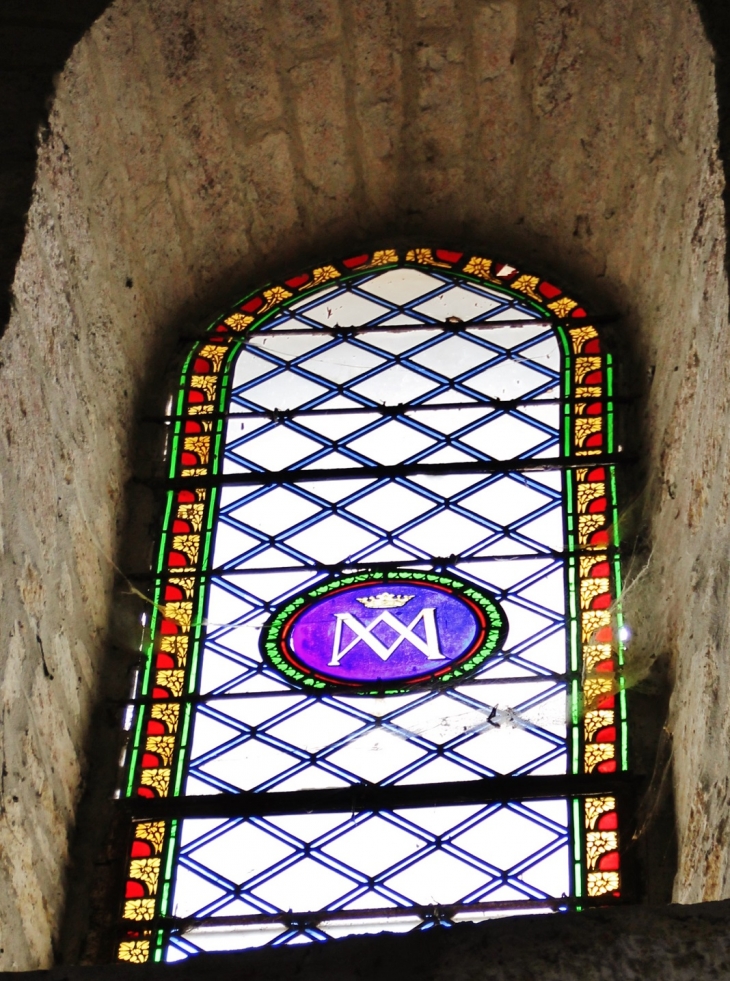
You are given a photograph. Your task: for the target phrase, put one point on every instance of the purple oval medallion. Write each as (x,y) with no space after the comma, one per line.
(384,632)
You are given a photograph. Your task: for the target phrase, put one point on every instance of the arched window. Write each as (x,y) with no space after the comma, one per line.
(383,686)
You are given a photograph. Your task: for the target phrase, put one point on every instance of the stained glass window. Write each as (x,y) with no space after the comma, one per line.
(383,688)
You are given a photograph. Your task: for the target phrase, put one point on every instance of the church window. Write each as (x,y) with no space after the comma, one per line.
(383,686)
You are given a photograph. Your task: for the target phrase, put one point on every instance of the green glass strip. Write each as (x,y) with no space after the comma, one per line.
(175,442)
(576,718)
(578,847)
(166,886)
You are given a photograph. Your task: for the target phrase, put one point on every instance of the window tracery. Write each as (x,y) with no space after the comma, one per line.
(383,687)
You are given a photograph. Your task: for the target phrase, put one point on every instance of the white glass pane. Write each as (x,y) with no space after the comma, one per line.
(278,448)
(394,386)
(248,765)
(391,506)
(507,337)
(505,749)
(505,839)
(397,341)
(275,510)
(285,391)
(346,310)
(374,846)
(443,719)
(507,380)
(241,853)
(341,363)
(287,348)
(401,286)
(447,533)
(505,438)
(308,885)
(315,728)
(453,356)
(331,540)
(440,771)
(250,366)
(505,500)
(392,443)
(459,302)
(376,755)
(438,878)
(448,420)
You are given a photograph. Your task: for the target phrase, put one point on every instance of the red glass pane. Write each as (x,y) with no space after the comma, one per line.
(150,761)
(164,661)
(599,538)
(601,570)
(604,635)
(549,291)
(176,559)
(606,735)
(355,261)
(134,890)
(296,281)
(195,427)
(597,476)
(141,849)
(592,347)
(445,256)
(594,409)
(608,766)
(180,527)
(201,366)
(608,822)
(609,862)
(169,627)
(251,306)
(607,702)
(173,593)
(596,439)
(145,792)
(607,666)
(593,378)
(155,728)
(598,506)
(601,602)
(186,497)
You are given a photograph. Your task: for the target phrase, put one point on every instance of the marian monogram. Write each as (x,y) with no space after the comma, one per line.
(384,634)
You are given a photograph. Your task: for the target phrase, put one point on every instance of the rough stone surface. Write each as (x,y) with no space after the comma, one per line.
(673,943)
(196,147)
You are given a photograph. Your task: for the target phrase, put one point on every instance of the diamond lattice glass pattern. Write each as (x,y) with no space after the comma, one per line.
(381,673)
(471,398)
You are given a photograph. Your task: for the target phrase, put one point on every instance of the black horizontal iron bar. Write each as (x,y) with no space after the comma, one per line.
(367,798)
(463,684)
(452,326)
(393,411)
(180,925)
(398,470)
(346,569)
(383,410)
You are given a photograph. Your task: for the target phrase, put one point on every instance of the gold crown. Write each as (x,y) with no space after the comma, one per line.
(384,601)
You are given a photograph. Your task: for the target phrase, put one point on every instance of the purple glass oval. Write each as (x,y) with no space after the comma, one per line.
(384,632)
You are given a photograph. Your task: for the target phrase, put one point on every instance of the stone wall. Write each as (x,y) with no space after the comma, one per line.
(673,943)
(195,147)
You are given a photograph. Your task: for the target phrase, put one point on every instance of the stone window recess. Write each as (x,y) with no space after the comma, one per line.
(383,684)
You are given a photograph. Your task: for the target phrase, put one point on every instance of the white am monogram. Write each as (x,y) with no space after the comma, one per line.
(429,646)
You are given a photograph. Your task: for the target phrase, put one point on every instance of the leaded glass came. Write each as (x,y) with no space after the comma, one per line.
(383,688)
